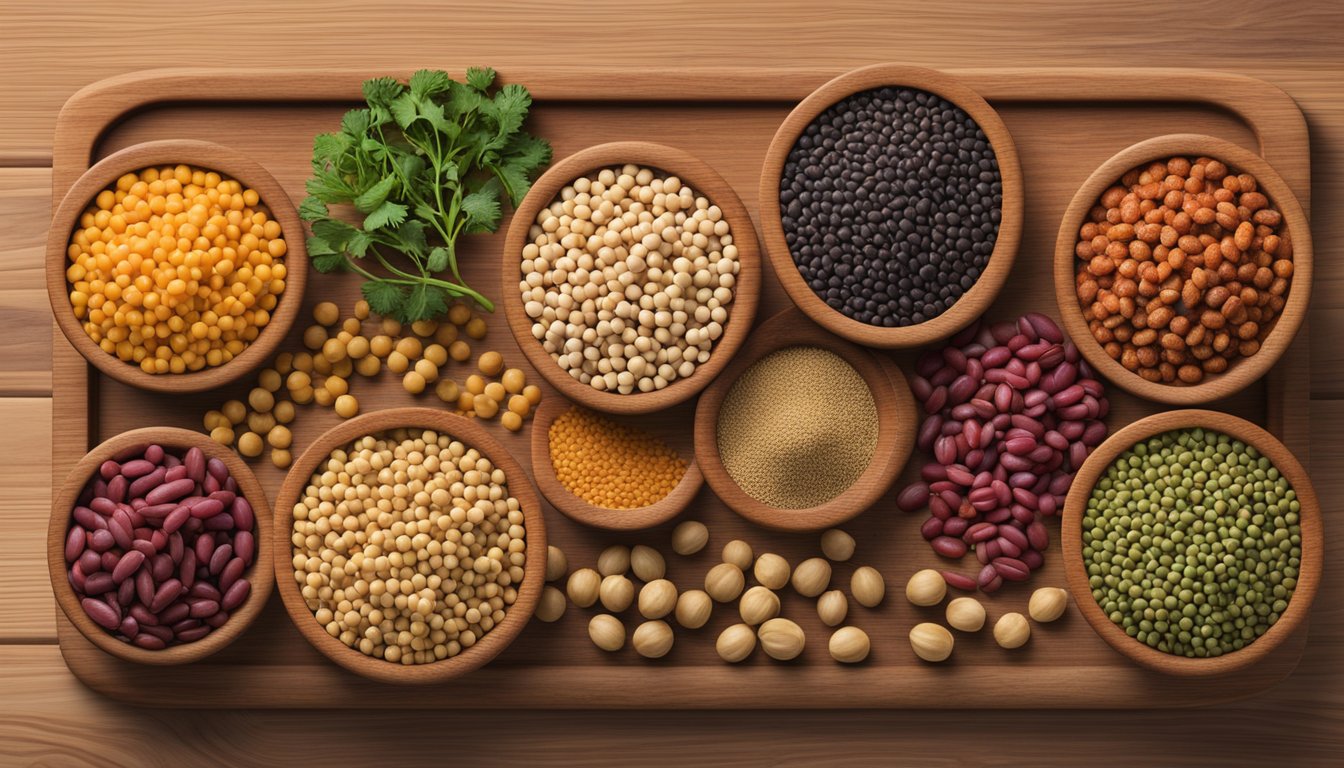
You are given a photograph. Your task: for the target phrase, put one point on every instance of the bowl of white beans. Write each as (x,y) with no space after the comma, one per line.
(631,275)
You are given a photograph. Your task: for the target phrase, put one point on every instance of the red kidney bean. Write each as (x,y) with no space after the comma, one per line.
(200,609)
(128,565)
(194,461)
(77,577)
(186,568)
(103,506)
(168,591)
(931,529)
(175,472)
(1008,548)
(218,523)
(217,619)
(915,496)
(144,587)
(998,516)
(89,519)
(980,532)
(205,547)
(175,612)
(102,614)
(145,483)
(176,519)
(936,401)
(959,581)
(157,541)
(161,567)
(948,546)
(939,508)
(203,591)
(961,389)
(136,468)
(955,526)
(109,469)
(193,634)
(149,642)
(74,543)
(108,560)
(941,378)
(1033,558)
(1052,357)
(101,540)
(204,507)
(125,592)
(959,475)
(1038,536)
(1048,505)
(90,561)
(231,573)
(236,594)
(928,432)
(220,558)
(170,491)
(921,388)
(116,489)
(176,545)
(1011,569)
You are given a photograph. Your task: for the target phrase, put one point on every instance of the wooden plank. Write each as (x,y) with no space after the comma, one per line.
(42,48)
(25,348)
(58,722)
(281,113)
(25,497)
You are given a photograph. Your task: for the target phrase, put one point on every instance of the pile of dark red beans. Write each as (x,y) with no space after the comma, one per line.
(1012,412)
(890,202)
(158,546)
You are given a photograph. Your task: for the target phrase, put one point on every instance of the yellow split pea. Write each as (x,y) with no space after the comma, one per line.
(175,269)
(611,465)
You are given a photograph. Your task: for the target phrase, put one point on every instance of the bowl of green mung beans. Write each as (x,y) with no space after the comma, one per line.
(1192,542)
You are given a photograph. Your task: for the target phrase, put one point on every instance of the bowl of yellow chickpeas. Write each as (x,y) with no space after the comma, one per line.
(176,266)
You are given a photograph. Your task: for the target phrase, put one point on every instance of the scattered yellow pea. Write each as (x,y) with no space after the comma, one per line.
(410,346)
(446,334)
(495,391)
(280,437)
(491,363)
(459,350)
(476,328)
(368,366)
(358,348)
(447,390)
(336,385)
(413,382)
(436,354)
(391,327)
(485,407)
(346,406)
(533,394)
(351,325)
(514,380)
(249,444)
(303,362)
(511,421)
(397,362)
(326,313)
(222,435)
(302,395)
(424,328)
(476,384)
(281,457)
(333,350)
(323,397)
(283,412)
(269,379)
(459,314)
(215,419)
(381,345)
(427,369)
(261,423)
(362,309)
(234,411)
(314,336)
(261,400)
(298,380)
(519,405)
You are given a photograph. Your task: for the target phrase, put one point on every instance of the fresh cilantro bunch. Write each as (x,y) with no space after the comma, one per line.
(425,163)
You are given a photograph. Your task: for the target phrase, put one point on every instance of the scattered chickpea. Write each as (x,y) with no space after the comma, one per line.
(616,593)
(533,394)
(250,444)
(362,310)
(447,390)
(222,435)
(413,382)
(215,419)
(495,391)
(520,406)
(397,362)
(514,380)
(427,369)
(485,407)
(303,395)
(323,397)
(410,346)
(390,326)
(424,328)
(234,411)
(688,537)
(283,412)
(459,314)
(490,363)
(475,384)
(314,336)
(281,457)
(357,348)
(347,406)
(552,604)
(368,367)
(511,421)
(284,363)
(475,328)
(436,354)
(327,313)
(446,334)
(336,385)
(261,423)
(269,380)
(459,351)
(381,345)
(280,437)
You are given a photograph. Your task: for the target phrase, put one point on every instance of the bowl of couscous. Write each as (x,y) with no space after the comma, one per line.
(175,265)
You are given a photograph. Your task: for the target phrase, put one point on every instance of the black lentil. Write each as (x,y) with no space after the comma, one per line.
(1193,543)
(890,202)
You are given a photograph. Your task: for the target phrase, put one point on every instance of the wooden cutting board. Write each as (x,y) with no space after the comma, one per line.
(1064,122)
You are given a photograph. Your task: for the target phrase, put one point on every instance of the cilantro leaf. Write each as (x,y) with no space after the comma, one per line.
(389,213)
(480,78)
(426,301)
(374,196)
(384,296)
(423,162)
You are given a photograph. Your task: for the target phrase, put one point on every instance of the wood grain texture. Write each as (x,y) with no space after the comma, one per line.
(745,112)
(981,295)
(25,345)
(25,503)
(1097,465)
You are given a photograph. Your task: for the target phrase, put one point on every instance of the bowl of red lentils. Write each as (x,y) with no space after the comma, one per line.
(175,266)
(1183,268)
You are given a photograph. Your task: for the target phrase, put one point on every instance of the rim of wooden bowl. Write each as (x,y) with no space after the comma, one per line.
(259,573)
(975,301)
(199,154)
(1243,371)
(706,182)
(473,435)
(1309,573)
(577,509)
(897,423)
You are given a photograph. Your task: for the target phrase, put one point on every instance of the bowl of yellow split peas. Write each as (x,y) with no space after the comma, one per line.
(176,266)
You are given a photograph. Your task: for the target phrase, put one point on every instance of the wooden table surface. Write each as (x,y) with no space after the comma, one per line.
(50,50)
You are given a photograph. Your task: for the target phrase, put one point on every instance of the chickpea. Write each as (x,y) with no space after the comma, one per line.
(283,412)
(279,437)
(475,385)
(298,380)
(495,391)
(269,380)
(314,336)
(398,363)
(326,313)
(347,406)
(368,367)
(490,363)
(514,380)
(447,390)
(250,444)
(261,400)
(281,457)
(362,310)
(323,397)
(520,406)
(484,406)
(234,411)
(533,394)
(437,354)
(427,369)
(333,350)
(410,346)
(215,419)
(511,421)
(381,346)
(459,350)
(261,423)
(475,328)
(222,435)
(413,382)
(336,385)
(357,348)
(459,314)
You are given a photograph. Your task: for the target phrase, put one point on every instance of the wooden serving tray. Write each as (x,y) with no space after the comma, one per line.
(1065,123)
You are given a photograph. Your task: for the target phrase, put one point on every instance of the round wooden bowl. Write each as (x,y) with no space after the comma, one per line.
(701,178)
(897,424)
(1309,573)
(470,433)
(259,573)
(663,425)
(199,154)
(974,302)
(1240,372)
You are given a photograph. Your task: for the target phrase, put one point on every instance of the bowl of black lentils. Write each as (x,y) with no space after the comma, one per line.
(1192,542)
(891,205)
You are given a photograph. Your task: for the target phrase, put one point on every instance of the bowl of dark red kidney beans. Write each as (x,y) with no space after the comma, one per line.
(891,205)
(155,543)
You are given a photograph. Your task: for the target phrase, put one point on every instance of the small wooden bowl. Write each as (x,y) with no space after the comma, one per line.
(701,178)
(663,425)
(1240,372)
(897,424)
(1309,573)
(198,154)
(473,435)
(259,573)
(974,302)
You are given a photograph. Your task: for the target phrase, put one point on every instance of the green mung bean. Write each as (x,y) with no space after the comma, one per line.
(1192,542)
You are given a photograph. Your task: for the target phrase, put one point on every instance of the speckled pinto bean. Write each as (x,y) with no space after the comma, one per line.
(156,557)
(1013,411)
